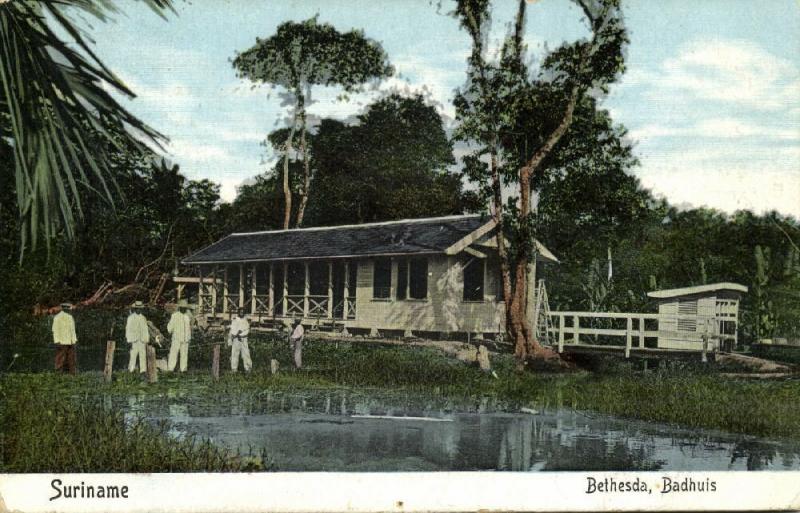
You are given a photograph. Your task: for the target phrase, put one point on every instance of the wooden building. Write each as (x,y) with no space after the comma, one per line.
(411,277)
(687,314)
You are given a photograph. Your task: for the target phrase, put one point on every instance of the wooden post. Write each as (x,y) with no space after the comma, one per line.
(200,290)
(179,291)
(306,291)
(576,324)
(285,288)
(215,363)
(704,353)
(346,300)
(108,368)
(214,292)
(271,300)
(253,289)
(152,370)
(561,327)
(628,336)
(330,290)
(641,332)
(273,366)
(225,290)
(241,286)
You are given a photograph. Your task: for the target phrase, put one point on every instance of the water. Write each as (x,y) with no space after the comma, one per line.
(329,432)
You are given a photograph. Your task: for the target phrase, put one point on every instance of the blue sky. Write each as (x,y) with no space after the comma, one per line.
(711,96)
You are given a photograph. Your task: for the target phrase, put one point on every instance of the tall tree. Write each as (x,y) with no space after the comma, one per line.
(299,56)
(393,163)
(51,91)
(516,120)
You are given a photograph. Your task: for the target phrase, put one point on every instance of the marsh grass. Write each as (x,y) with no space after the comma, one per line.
(44,430)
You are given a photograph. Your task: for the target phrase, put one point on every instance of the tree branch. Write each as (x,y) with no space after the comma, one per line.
(158,259)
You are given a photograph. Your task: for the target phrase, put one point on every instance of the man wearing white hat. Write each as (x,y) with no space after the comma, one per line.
(64,338)
(237,340)
(138,335)
(180,327)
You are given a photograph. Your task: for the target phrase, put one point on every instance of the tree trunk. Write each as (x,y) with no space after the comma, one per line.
(306,163)
(287,191)
(516,297)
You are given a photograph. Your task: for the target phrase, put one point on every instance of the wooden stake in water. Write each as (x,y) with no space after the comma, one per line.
(215,363)
(109,365)
(152,370)
(273,366)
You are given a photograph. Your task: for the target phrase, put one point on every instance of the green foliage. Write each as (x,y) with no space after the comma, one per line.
(299,56)
(308,53)
(52,92)
(164,217)
(763,306)
(392,163)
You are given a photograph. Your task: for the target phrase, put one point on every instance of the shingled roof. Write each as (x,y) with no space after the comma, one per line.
(406,237)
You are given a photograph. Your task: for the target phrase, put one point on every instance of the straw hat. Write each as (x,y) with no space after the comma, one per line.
(137,304)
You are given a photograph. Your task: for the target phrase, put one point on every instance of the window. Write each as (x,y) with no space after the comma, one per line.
(474,280)
(402,279)
(412,278)
(418,278)
(687,315)
(382,278)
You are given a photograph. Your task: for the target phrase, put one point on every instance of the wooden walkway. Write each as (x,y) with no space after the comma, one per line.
(628,334)
(634,352)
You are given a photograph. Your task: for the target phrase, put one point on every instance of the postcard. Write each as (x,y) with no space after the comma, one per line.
(449,255)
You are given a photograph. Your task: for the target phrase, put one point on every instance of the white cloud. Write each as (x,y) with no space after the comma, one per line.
(725,128)
(728,188)
(187,150)
(227,189)
(732,71)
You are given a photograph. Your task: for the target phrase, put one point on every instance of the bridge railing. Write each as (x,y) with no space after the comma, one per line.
(632,330)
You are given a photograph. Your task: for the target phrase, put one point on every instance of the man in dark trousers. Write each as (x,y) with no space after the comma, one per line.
(64,338)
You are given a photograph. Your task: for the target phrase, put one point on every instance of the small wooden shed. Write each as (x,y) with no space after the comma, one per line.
(687,314)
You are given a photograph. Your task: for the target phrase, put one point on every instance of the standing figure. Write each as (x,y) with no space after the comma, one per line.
(138,335)
(180,327)
(64,338)
(296,339)
(237,340)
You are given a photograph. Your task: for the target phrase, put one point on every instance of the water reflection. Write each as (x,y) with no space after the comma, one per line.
(318,431)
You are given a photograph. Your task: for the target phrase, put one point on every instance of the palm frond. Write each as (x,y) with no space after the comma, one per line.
(63,118)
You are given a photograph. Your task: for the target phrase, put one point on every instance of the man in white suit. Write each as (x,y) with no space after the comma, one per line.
(180,327)
(138,335)
(237,340)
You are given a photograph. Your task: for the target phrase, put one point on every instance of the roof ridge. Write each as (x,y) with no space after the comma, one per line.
(362,225)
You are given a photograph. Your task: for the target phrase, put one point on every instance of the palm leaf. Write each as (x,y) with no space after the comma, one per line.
(63,120)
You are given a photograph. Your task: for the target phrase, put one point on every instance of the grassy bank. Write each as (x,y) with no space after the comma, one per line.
(52,424)
(692,396)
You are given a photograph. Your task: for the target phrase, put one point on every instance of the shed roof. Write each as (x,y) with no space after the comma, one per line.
(699,289)
(405,237)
